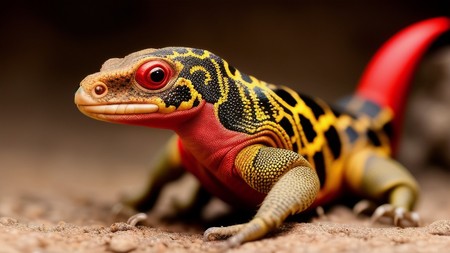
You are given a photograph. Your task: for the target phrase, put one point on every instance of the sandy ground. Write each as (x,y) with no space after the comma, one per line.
(35,217)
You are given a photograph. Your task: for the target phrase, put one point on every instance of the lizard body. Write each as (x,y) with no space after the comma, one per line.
(249,142)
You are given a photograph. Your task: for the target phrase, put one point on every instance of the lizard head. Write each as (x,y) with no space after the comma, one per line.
(143,87)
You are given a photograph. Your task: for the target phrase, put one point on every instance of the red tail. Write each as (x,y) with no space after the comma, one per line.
(387,76)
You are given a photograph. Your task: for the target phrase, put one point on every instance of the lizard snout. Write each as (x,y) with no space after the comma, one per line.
(82,98)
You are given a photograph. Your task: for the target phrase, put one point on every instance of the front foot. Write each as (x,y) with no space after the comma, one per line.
(399,215)
(292,193)
(237,234)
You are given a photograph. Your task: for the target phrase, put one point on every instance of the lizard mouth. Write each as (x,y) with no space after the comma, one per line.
(119,109)
(89,106)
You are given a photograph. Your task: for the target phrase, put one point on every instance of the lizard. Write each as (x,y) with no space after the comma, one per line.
(263,146)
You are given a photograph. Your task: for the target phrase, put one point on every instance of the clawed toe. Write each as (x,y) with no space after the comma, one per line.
(135,219)
(364,207)
(213,234)
(220,233)
(401,217)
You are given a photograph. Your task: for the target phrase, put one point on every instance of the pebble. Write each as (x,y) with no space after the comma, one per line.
(120,226)
(440,227)
(7,221)
(123,243)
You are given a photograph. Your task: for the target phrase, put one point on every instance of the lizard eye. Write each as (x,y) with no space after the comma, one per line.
(153,75)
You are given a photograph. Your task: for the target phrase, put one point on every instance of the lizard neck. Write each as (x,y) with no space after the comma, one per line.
(207,139)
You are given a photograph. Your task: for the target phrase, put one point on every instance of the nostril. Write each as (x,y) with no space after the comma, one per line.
(100,90)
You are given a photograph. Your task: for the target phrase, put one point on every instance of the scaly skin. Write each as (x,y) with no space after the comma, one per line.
(249,142)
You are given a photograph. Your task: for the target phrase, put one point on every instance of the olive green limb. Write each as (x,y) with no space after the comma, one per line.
(291,185)
(380,178)
(294,192)
(167,169)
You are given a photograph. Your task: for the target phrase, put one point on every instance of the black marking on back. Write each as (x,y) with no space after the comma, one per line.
(286,96)
(334,142)
(319,165)
(308,128)
(232,70)
(287,126)
(388,128)
(316,109)
(373,138)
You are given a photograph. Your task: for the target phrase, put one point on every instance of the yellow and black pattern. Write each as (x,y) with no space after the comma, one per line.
(245,104)
(305,125)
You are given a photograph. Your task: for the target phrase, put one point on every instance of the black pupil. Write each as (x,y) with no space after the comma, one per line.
(99,90)
(157,75)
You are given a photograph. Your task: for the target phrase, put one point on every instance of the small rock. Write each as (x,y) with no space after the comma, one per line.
(123,243)
(7,221)
(160,247)
(440,227)
(120,226)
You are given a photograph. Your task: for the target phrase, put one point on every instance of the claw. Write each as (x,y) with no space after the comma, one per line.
(212,234)
(383,210)
(399,215)
(364,206)
(321,212)
(135,219)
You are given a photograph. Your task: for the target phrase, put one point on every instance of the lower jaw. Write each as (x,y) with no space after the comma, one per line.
(172,120)
(154,120)
(120,118)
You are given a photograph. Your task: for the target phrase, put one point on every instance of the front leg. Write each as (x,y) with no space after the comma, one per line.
(287,178)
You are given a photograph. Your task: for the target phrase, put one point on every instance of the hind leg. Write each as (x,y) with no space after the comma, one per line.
(379,178)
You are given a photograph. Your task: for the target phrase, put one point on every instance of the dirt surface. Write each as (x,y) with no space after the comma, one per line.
(41,219)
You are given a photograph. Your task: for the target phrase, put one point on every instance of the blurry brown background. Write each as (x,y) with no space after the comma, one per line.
(47,47)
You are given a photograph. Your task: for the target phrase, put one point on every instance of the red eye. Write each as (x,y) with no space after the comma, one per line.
(153,75)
